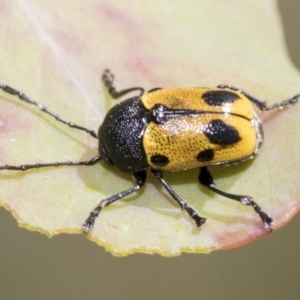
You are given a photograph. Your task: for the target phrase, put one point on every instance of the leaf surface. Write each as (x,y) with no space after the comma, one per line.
(55,52)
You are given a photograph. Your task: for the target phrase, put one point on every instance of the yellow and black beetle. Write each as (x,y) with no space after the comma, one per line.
(173,129)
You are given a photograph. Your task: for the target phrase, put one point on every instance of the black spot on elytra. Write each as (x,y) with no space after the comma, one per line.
(218,98)
(159,160)
(218,132)
(205,155)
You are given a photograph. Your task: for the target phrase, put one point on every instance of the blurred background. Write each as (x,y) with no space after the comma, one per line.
(33,266)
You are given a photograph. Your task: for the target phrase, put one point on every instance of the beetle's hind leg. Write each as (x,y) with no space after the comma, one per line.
(193,213)
(206,179)
(139,177)
(108,79)
(261,104)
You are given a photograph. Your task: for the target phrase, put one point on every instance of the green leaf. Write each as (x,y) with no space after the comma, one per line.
(56,56)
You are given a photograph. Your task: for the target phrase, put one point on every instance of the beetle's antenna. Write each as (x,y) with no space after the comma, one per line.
(43,108)
(90,162)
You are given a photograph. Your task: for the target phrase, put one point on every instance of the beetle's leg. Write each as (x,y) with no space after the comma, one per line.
(193,213)
(206,179)
(261,104)
(54,164)
(108,79)
(154,89)
(43,108)
(139,177)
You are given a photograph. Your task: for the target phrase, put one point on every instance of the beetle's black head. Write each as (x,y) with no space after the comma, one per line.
(121,135)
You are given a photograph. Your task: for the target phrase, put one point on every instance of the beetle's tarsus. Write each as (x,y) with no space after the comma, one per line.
(90,221)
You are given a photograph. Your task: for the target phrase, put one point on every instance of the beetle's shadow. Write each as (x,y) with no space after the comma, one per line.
(175,180)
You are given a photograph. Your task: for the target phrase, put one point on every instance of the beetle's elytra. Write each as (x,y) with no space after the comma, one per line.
(170,130)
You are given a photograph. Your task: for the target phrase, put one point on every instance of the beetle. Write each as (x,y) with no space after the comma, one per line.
(170,130)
